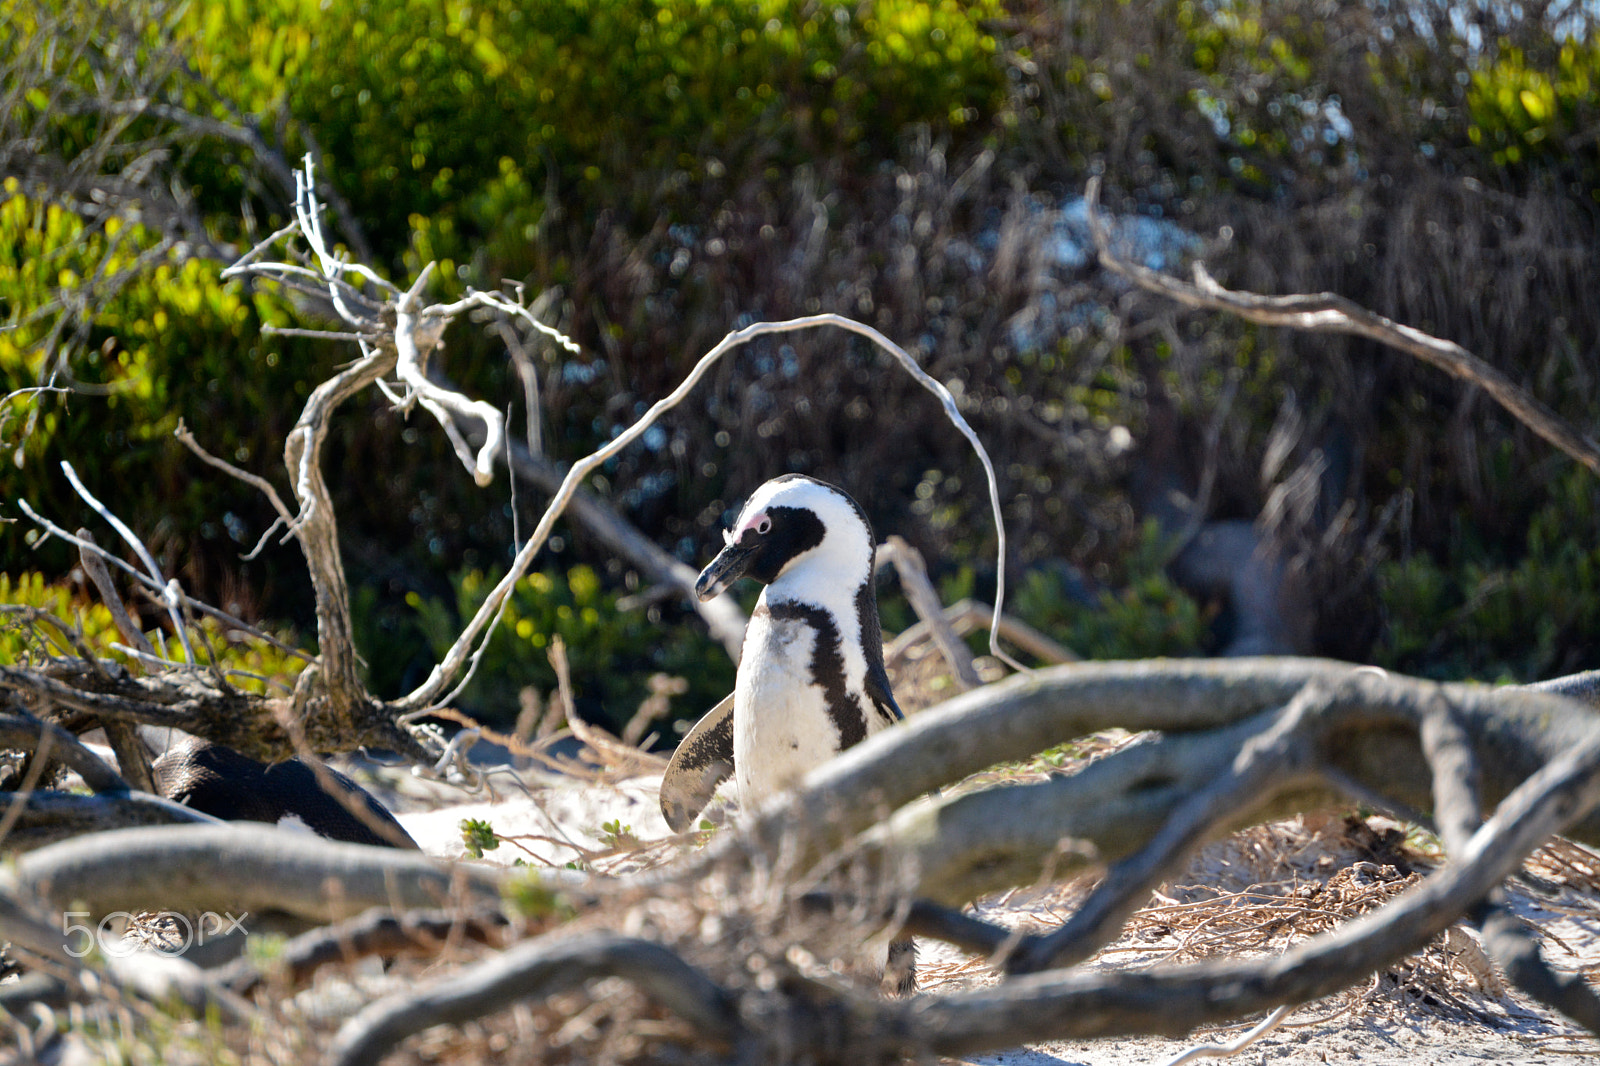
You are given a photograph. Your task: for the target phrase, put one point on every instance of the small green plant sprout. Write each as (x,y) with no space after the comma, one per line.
(530,897)
(264,950)
(479,837)
(614,834)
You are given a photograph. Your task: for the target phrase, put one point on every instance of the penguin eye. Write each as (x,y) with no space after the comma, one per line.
(764,526)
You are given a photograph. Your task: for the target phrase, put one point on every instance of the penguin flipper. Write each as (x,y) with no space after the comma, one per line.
(703,760)
(882,697)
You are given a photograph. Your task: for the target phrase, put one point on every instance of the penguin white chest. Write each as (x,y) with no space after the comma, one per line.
(784,724)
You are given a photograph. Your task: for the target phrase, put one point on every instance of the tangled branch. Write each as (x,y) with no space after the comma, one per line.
(1276,725)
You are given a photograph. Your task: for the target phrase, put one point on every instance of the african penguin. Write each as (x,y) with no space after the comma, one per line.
(811,680)
(226,784)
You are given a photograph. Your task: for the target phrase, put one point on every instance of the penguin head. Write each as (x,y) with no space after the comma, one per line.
(791,528)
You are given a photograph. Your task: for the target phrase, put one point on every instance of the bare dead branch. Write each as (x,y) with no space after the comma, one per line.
(23,733)
(1506,938)
(1511,944)
(156,588)
(417,331)
(966,615)
(1228,1050)
(923,918)
(1331,313)
(23,925)
(533,435)
(318,334)
(50,817)
(722,615)
(258,868)
(94,565)
(1584,687)
(1448,748)
(534,970)
(317,529)
(415,334)
(376,932)
(30,781)
(455,659)
(1043,1006)
(132,757)
(102,705)
(171,593)
(913,573)
(959,845)
(1278,756)
(267,488)
(1176,1001)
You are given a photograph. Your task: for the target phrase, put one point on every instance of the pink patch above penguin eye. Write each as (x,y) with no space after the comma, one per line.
(759,523)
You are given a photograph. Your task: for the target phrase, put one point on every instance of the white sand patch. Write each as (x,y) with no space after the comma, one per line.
(548,825)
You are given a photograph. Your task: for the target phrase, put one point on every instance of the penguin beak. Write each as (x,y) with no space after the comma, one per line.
(729,566)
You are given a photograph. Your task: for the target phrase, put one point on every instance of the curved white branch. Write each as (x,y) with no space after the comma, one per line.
(435,399)
(459,652)
(510,307)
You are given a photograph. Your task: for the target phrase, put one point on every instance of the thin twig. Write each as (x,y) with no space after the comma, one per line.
(316,334)
(171,593)
(19,799)
(1222,1051)
(270,491)
(150,583)
(126,743)
(540,968)
(528,374)
(913,573)
(226,671)
(73,642)
(93,563)
(966,615)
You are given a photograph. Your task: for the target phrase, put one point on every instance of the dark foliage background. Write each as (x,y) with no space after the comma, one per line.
(662,172)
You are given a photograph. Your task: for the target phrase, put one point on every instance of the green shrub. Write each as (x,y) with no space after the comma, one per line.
(1142,614)
(611,652)
(426,107)
(1522,613)
(1529,111)
(260,663)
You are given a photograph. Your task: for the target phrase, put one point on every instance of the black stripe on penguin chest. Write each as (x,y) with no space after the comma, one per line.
(827,669)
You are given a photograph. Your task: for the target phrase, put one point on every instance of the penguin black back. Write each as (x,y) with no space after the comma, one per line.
(221,782)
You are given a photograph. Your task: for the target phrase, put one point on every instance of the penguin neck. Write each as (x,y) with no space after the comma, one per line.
(832,581)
